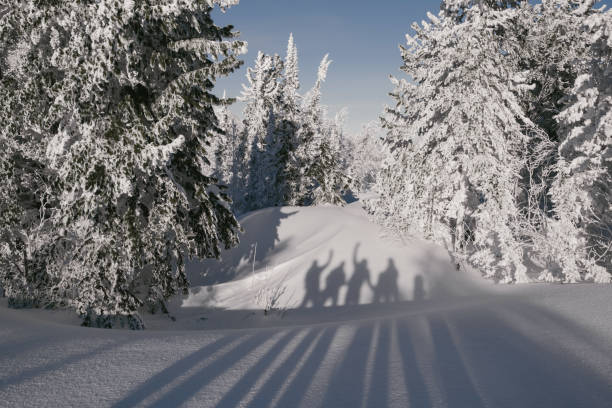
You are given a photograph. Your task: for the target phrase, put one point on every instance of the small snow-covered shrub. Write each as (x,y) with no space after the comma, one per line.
(268,298)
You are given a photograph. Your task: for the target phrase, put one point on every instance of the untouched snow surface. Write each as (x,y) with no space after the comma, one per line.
(407,330)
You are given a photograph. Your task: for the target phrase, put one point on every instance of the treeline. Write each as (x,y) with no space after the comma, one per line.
(501,138)
(284,151)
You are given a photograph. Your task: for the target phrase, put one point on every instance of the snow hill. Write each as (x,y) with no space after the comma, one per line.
(417,333)
(331,252)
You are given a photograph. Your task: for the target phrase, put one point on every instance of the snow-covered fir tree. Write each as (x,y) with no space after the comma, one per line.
(288,165)
(472,144)
(118,97)
(581,228)
(460,144)
(290,149)
(262,98)
(226,163)
(364,154)
(318,152)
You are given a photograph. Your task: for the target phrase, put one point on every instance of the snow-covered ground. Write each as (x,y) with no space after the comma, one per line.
(407,330)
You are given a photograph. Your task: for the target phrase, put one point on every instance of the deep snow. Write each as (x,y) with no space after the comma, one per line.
(436,337)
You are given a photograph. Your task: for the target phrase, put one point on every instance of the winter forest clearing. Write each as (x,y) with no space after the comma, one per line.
(456,251)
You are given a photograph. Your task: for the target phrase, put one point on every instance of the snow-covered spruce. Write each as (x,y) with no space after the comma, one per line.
(581,193)
(285,151)
(107,113)
(476,156)
(363,156)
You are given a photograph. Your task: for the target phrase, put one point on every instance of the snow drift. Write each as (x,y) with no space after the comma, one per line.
(321,256)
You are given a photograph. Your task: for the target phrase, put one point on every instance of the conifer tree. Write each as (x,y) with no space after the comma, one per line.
(480,161)
(458,136)
(262,98)
(581,228)
(119,96)
(225,146)
(288,165)
(292,149)
(321,178)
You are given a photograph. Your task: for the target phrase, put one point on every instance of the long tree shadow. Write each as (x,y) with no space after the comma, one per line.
(186,389)
(295,392)
(482,361)
(63,362)
(414,382)
(243,386)
(347,384)
(157,381)
(497,365)
(269,390)
(470,356)
(23,344)
(450,369)
(378,393)
(550,375)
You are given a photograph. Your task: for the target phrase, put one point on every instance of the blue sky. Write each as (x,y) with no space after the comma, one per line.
(362,38)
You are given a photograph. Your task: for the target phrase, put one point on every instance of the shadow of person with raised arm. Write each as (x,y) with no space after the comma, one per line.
(419,289)
(386,290)
(312,283)
(361,275)
(333,282)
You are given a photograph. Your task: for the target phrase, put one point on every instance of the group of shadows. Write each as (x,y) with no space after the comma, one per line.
(385,290)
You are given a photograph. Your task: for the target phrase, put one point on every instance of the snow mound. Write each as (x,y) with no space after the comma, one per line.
(319,257)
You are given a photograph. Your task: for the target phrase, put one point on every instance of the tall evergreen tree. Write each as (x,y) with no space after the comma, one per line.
(321,178)
(119,95)
(460,146)
(292,149)
(477,154)
(581,228)
(262,98)
(288,165)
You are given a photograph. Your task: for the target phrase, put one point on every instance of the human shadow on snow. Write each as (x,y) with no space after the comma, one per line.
(312,279)
(360,277)
(386,289)
(335,279)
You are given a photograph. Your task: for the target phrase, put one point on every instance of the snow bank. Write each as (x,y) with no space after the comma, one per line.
(318,256)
